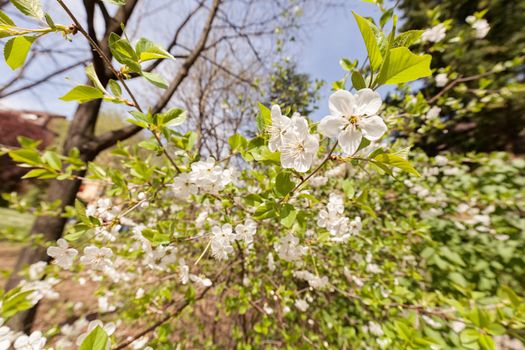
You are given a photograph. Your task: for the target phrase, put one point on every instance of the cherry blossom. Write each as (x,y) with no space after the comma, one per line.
(62,254)
(352,118)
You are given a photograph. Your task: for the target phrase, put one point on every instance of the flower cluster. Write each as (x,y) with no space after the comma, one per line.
(292,138)
(205,176)
(332,218)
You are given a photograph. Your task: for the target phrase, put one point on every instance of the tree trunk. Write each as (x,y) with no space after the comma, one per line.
(80,135)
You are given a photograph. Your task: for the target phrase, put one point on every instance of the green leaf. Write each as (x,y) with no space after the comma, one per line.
(32,8)
(288,215)
(347,65)
(92,75)
(124,52)
(6,20)
(373,38)
(50,21)
(173,117)
(237,142)
(148,50)
(116,2)
(155,79)
(402,66)
(96,340)
(26,156)
(469,336)
(407,38)
(397,162)
(37,173)
(264,118)
(82,94)
(283,184)
(17,49)
(141,119)
(358,82)
(486,342)
(115,88)
(53,160)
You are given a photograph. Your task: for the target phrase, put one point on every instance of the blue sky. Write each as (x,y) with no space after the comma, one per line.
(318,52)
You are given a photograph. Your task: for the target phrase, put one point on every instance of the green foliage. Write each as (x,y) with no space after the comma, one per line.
(17,49)
(96,340)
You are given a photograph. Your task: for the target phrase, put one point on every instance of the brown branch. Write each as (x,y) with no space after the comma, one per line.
(44,79)
(111,138)
(182,304)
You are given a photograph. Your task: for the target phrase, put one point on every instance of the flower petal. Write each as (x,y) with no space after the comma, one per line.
(367,102)
(350,139)
(299,124)
(276,112)
(341,103)
(330,126)
(373,127)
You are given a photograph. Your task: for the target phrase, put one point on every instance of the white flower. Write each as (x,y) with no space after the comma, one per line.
(289,249)
(246,231)
(35,341)
(280,124)
(435,34)
(299,147)
(441,79)
(481,26)
(97,258)
(205,282)
(375,329)
(441,160)
(314,281)
(457,326)
(62,254)
(301,304)
(271,262)
(184,272)
(433,113)
(183,185)
(6,335)
(352,118)
(109,328)
(36,270)
(221,241)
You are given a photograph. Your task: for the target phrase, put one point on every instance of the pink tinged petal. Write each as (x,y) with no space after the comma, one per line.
(350,139)
(331,126)
(368,102)
(373,127)
(341,103)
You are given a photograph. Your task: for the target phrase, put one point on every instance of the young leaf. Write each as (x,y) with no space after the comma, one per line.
(115,88)
(148,50)
(92,75)
(124,52)
(32,8)
(264,118)
(96,340)
(407,38)
(402,66)
(397,162)
(5,20)
(358,81)
(283,184)
(237,142)
(173,117)
(155,79)
(82,94)
(16,50)
(373,38)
